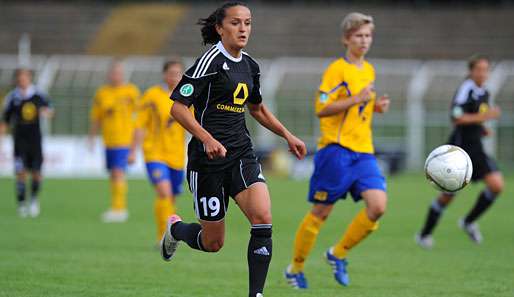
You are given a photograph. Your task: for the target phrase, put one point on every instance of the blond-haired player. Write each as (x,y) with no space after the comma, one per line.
(163,143)
(345,161)
(113,110)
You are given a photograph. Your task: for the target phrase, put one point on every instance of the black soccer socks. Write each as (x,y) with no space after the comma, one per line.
(189,233)
(259,257)
(20,191)
(484,201)
(434,213)
(34,188)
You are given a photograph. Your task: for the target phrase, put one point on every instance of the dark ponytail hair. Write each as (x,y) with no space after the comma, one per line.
(209,33)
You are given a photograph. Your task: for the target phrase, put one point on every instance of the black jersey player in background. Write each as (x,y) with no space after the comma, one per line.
(22,110)
(220,85)
(470,110)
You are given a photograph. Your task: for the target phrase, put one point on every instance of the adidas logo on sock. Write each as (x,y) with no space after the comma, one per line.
(262,251)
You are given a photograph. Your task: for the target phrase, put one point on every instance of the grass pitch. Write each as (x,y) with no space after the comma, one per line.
(67,251)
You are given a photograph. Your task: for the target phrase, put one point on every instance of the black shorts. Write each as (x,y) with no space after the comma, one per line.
(211,190)
(482,165)
(28,157)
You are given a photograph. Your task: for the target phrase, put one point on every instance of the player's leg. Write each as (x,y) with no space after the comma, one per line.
(487,170)
(305,238)
(255,203)
(20,186)
(164,204)
(210,205)
(370,186)
(365,222)
(494,186)
(248,187)
(435,211)
(325,188)
(36,162)
(35,187)
(116,164)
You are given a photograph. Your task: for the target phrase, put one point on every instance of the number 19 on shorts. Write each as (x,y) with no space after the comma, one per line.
(209,207)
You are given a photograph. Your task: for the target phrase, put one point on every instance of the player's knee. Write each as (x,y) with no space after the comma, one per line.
(117,174)
(375,212)
(321,211)
(163,194)
(261,218)
(496,187)
(445,199)
(213,245)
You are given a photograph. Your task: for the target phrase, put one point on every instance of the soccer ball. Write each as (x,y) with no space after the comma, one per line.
(448,168)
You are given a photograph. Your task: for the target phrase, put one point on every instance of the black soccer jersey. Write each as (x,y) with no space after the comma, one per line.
(219,86)
(21,111)
(469,98)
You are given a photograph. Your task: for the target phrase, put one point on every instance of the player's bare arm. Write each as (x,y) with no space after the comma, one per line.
(139,135)
(182,114)
(262,114)
(342,105)
(478,118)
(382,104)
(93,130)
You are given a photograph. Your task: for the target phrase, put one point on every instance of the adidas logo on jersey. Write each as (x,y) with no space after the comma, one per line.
(263,251)
(225,66)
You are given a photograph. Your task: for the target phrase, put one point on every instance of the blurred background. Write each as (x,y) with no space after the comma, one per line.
(420,51)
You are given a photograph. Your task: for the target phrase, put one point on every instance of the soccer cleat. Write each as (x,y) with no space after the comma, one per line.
(34,209)
(426,242)
(472,230)
(23,210)
(115,216)
(168,242)
(338,268)
(295,280)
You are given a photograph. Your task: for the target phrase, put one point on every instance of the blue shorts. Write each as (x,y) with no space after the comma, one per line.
(158,172)
(116,158)
(338,170)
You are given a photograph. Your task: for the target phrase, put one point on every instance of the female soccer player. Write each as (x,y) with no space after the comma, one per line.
(23,109)
(470,110)
(113,108)
(163,143)
(344,162)
(221,161)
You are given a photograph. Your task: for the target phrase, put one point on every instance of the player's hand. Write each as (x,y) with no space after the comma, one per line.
(47,113)
(365,94)
(486,131)
(296,147)
(214,149)
(382,104)
(131,159)
(493,113)
(91,143)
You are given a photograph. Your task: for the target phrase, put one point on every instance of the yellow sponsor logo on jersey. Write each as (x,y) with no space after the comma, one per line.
(483,108)
(28,111)
(321,195)
(230,108)
(240,94)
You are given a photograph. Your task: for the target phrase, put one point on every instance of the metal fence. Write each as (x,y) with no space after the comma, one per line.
(420,91)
